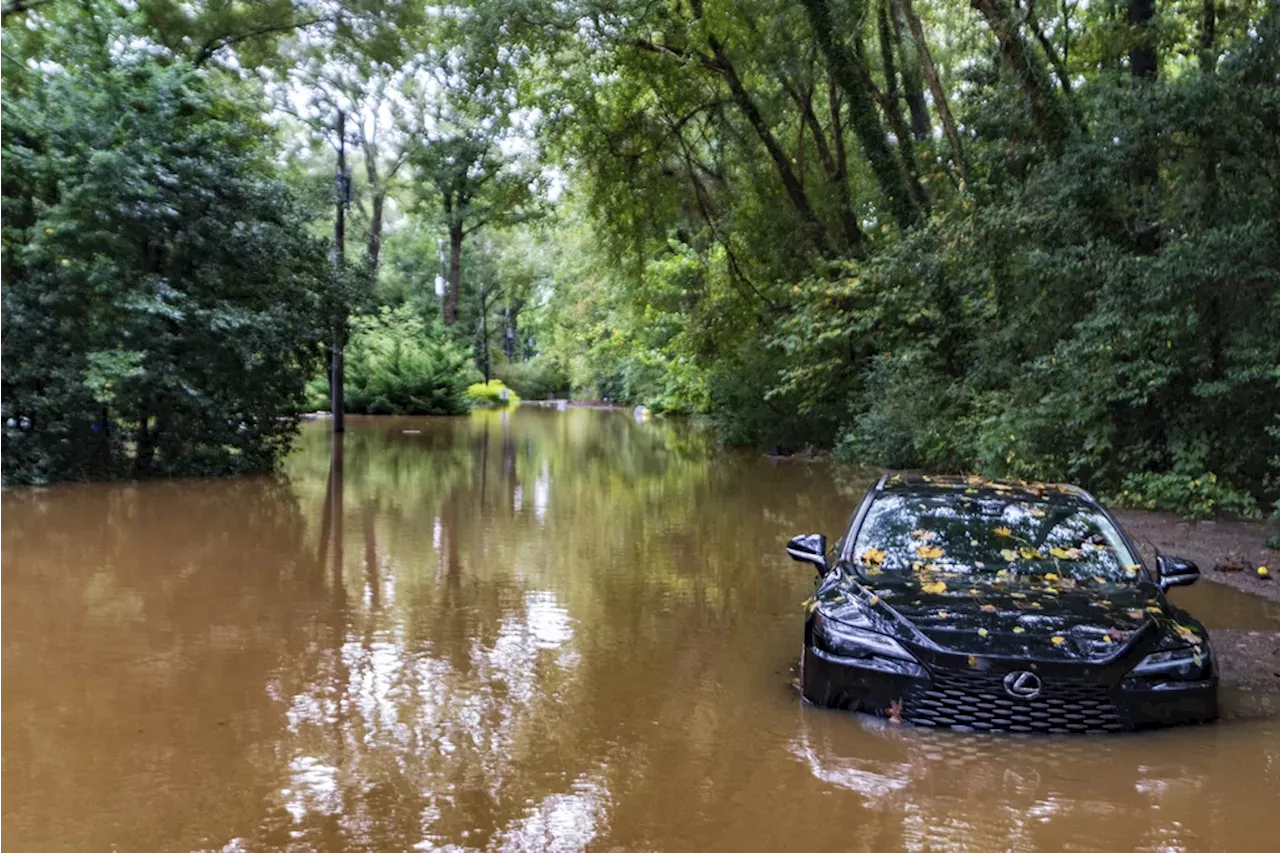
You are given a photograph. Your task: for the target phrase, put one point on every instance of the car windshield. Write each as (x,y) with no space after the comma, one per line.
(997,535)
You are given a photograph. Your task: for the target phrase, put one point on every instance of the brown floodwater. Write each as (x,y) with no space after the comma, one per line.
(541,631)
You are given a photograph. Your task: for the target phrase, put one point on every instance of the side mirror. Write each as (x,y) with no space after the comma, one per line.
(810,548)
(1175,571)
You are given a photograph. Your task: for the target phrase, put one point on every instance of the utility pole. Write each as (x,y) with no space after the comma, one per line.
(343,186)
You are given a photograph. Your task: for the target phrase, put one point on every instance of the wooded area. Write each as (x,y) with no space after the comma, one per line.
(1024,239)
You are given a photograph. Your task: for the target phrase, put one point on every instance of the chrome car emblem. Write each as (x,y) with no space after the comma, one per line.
(1021,684)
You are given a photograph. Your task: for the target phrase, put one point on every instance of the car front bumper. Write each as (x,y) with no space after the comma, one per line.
(970,699)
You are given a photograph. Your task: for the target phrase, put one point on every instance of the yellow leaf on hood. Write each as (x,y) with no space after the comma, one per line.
(873,556)
(934,587)
(1057,639)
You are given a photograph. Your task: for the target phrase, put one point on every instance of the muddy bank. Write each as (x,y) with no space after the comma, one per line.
(1209,544)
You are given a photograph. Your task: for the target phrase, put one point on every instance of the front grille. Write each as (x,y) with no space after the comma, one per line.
(977,701)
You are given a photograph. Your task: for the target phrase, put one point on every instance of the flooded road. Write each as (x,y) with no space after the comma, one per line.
(541,631)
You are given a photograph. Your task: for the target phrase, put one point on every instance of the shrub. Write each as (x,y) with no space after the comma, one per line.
(537,379)
(491,394)
(1191,497)
(396,364)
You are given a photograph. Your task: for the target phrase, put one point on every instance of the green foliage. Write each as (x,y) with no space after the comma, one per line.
(492,394)
(537,379)
(1190,497)
(397,364)
(161,297)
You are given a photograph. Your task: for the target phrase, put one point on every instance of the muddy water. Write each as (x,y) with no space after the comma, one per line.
(547,631)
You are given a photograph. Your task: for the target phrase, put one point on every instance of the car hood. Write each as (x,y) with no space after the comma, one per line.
(1066,621)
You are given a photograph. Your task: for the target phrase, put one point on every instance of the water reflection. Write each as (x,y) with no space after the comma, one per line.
(540,631)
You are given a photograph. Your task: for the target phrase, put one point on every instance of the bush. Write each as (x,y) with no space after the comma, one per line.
(537,379)
(491,394)
(396,364)
(1189,497)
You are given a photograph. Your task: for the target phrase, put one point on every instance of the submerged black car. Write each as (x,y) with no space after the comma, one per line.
(978,605)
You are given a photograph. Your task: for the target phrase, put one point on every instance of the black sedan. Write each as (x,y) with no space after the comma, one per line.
(977,605)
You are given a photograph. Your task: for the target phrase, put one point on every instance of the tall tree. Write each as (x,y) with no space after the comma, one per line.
(848,68)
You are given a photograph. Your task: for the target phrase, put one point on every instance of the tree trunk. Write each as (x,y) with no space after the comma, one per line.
(455,275)
(1051,53)
(935,88)
(833,163)
(1146,170)
(1208,25)
(890,102)
(854,238)
(850,73)
(1142,49)
(912,86)
(790,182)
(378,200)
(1031,75)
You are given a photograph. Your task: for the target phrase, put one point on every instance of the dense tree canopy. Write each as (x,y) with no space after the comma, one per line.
(992,235)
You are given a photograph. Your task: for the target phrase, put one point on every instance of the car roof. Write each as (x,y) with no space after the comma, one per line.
(919,483)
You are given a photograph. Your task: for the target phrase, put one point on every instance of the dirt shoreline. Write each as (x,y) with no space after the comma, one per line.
(1247,660)
(1209,544)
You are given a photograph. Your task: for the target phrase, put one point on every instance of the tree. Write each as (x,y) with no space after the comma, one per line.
(161,296)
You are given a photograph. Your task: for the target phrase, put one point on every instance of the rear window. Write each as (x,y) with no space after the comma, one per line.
(991,534)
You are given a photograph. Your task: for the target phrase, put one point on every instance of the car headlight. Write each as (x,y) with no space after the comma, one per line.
(1189,664)
(850,641)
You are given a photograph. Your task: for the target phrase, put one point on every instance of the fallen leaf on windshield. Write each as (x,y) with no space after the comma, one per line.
(1099,579)
(1135,614)
(1036,511)
(1154,609)
(973,661)
(924,535)
(934,587)
(873,556)
(1131,571)
(874,600)
(1057,639)
(1065,553)
(1017,595)
(1029,553)
(988,608)
(1050,576)
(982,632)
(1003,531)
(942,614)
(1008,554)
(929,552)
(1018,629)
